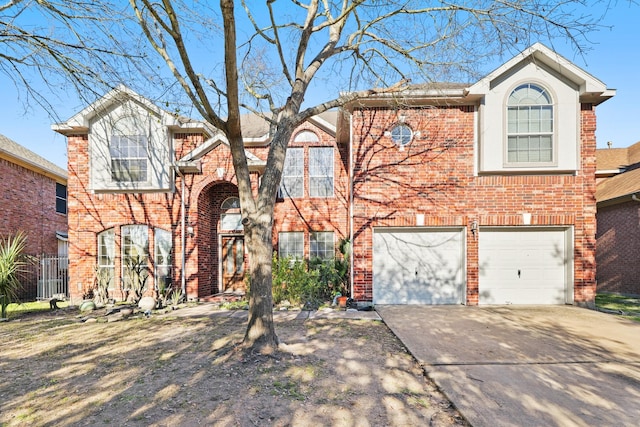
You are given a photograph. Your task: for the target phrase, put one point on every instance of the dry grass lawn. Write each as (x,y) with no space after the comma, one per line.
(186,370)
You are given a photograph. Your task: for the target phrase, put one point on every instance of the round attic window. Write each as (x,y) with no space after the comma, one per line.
(401,134)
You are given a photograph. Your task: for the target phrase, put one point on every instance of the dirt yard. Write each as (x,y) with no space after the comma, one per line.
(184,369)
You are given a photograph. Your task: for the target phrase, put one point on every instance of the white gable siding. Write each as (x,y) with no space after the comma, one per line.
(493,125)
(133,118)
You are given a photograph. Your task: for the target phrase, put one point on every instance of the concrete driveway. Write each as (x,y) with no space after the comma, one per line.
(527,366)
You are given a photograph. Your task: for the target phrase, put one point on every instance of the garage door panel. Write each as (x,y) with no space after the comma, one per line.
(523,266)
(417,267)
(522,295)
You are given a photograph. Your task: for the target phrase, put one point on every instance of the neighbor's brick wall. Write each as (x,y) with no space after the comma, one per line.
(29,204)
(618,253)
(434,176)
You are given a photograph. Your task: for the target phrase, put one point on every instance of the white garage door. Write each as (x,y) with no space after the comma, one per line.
(418,266)
(524,267)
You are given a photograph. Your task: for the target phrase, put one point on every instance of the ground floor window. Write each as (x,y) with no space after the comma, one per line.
(162,258)
(322,245)
(105,271)
(291,245)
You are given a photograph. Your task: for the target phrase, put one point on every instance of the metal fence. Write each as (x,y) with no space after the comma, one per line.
(53,279)
(44,277)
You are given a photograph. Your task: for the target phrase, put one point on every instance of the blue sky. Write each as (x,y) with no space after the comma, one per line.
(614,58)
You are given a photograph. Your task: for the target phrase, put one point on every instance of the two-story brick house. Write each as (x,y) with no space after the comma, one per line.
(450,193)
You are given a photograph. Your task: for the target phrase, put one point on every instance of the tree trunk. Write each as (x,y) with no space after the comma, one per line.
(260,334)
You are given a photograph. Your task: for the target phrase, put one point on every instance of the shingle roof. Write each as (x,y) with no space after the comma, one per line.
(617,158)
(624,184)
(13,151)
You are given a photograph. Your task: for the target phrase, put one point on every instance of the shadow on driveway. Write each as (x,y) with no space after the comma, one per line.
(527,365)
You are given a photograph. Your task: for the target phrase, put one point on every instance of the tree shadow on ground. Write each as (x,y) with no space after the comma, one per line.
(170,370)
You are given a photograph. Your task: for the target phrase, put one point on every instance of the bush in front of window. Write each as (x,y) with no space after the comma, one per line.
(308,284)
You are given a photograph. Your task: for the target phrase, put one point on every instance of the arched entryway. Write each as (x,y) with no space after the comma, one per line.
(220,241)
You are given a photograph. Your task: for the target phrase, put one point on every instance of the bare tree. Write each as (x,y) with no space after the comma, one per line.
(265,59)
(53,47)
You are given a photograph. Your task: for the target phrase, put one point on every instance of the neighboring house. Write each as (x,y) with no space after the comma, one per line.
(471,194)
(618,236)
(34,200)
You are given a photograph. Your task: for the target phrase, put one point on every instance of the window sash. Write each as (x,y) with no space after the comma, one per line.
(529,126)
(291,245)
(135,247)
(61,198)
(321,173)
(106,254)
(293,173)
(129,158)
(163,245)
(322,245)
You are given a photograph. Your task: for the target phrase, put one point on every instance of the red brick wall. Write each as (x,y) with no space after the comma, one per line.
(90,213)
(29,204)
(618,253)
(308,214)
(434,175)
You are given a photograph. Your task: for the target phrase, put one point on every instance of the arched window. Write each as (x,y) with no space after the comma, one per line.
(530,125)
(306,136)
(230,217)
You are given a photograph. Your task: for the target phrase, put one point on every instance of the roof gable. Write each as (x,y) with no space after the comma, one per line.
(80,122)
(591,89)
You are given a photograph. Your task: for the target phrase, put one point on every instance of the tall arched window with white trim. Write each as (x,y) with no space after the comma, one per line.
(530,125)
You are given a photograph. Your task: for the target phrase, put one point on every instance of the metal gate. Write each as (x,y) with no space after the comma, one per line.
(54,278)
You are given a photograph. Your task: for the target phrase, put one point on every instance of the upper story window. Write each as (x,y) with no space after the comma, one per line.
(321,171)
(231,218)
(306,136)
(129,158)
(61,198)
(401,134)
(529,125)
(293,173)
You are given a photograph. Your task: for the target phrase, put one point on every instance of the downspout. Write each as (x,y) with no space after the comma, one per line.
(635,198)
(351,245)
(183,242)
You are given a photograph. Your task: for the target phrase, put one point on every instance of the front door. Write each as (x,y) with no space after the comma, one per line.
(232,263)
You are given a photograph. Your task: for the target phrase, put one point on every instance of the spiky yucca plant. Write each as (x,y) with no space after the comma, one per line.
(11,265)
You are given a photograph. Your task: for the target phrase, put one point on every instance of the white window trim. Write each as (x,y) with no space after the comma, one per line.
(554,117)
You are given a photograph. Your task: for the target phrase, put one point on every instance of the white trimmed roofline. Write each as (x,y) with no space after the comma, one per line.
(591,89)
(254,162)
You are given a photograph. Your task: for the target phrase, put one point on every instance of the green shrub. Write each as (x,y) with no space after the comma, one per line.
(309,283)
